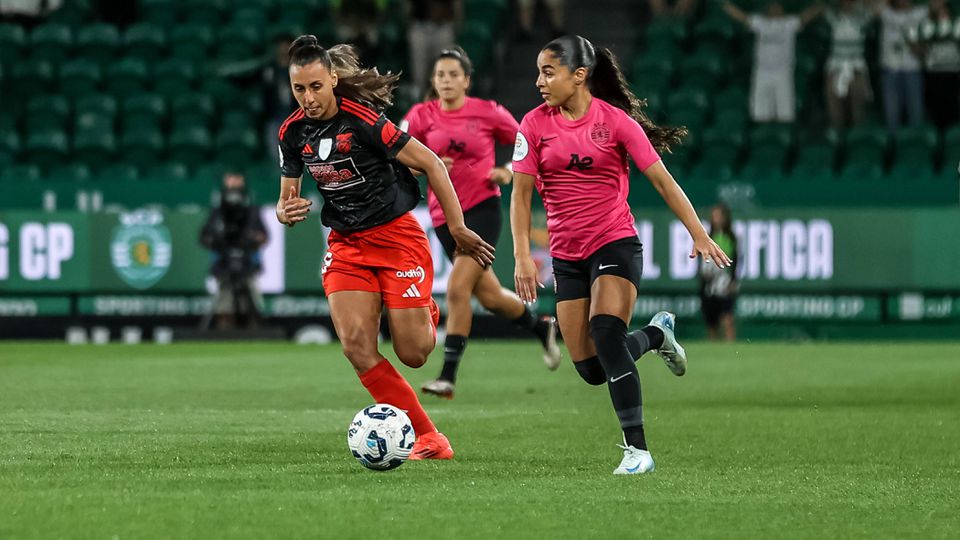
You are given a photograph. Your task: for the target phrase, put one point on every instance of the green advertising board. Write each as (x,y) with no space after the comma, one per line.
(803,251)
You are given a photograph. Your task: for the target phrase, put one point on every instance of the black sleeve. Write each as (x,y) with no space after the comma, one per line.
(385,136)
(736,258)
(291,164)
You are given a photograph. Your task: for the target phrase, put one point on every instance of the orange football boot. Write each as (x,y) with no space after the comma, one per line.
(431,446)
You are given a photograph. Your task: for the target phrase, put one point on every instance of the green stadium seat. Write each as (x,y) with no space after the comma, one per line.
(70,172)
(143,109)
(168,171)
(80,76)
(917,140)
(73,13)
(487,12)
(92,120)
(174,77)
(687,99)
(866,144)
(813,155)
(31,79)
(210,173)
(205,12)
(908,170)
(263,173)
(141,144)
(146,41)
(807,171)
(50,111)
(665,30)
(239,147)
(693,119)
(735,119)
(771,138)
(94,147)
(951,150)
(238,43)
(189,145)
(101,104)
(47,145)
(477,40)
(706,171)
(98,42)
(732,98)
(704,70)
(859,171)
(250,14)
(9,146)
(651,67)
(13,39)
(238,119)
(221,90)
(190,42)
(50,42)
(762,169)
(126,77)
(160,12)
(194,104)
(715,33)
(24,172)
(721,145)
(117,172)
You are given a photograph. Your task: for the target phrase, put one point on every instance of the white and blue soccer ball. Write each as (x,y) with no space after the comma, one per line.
(381,437)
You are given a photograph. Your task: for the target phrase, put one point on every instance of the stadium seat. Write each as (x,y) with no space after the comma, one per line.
(665,31)
(487,12)
(101,104)
(687,99)
(166,172)
(951,150)
(13,38)
(908,170)
(80,76)
(174,77)
(731,118)
(816,155)
(70,172)
(715,33)
(24,172)
(146,41)
(189,145)
(47,145)
(140,109)
(210,173)
(117,172)
(50,42)
(703,70)
(141,144)
(206,12)
(98,42)
(647,68)
(237,43)
(194,104)
(92,120)
(94,147)
(706,171)
(239,147)
(773,139)
(694,119)
(263,173)
(51,111)
(159,12)
(724,142)
(9,146)
(807,171)
(917,140)
(238,119)
(73,13)
(865,143)
(30,79)
(189,43)
(126,77)
(251,13)
(477,40)
(761,169)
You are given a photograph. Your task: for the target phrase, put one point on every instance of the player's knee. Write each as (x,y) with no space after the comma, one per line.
(414,357)
(609,337)
(458,296)
(591,371)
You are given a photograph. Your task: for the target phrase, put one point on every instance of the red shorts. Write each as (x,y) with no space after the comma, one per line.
(392,259)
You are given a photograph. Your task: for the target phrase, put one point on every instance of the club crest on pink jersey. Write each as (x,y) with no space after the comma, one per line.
(600,133)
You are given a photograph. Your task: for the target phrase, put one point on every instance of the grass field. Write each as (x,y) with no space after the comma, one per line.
(213,441)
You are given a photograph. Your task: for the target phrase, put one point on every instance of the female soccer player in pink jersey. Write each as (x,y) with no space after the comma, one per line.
(574,149)
(463,131)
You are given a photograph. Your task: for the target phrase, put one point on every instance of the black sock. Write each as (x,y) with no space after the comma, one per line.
(623,381)
(634,437)
(453,348)
(531,323)
(646,339)
(591,371)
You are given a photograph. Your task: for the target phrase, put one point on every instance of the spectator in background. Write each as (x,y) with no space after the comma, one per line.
(772,90)
(278,100)
(719,286)
(234,233)
(433,26)
(847,82)
(27,13)
(936,41)
(902,78)
(358,23)
(555,14)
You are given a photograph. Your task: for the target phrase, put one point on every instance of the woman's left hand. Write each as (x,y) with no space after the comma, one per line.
(501,176)
(705,247)
(469,243)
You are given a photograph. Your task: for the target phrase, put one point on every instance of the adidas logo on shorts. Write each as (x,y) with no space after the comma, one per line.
(412,292)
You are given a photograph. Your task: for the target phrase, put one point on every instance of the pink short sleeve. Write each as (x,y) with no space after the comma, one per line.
(635,140)
(526,159)
(505,126)
(412,123)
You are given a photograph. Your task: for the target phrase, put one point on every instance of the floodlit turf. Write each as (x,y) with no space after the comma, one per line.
(213,441)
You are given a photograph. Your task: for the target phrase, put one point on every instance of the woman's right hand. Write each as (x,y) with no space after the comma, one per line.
(294,208)
(469,243)
(525,279)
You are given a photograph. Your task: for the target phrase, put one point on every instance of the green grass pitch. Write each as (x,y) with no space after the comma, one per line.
(239,440)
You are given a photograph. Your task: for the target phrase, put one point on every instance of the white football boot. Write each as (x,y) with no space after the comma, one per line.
(672,353)
(635,461)
(440,388)
(551,351)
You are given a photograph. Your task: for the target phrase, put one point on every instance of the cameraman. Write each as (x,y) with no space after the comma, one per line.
(235,234)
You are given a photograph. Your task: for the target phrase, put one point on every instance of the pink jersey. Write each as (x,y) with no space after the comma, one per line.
(467,135)
(582,174)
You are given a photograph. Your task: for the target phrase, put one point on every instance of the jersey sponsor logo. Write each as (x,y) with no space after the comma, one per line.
(456,146)
(584,163)
(141,248)
(389,134)
(336,175)
(344,143)
(600,133)
(324,148)
(520,148)
(413,273)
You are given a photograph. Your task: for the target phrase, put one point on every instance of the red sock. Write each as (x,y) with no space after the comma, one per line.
(387,385)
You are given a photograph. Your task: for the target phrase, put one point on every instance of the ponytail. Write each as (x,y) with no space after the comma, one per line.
(355,82)
(606,81)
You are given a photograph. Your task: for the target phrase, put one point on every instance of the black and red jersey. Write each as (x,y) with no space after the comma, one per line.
(352,159)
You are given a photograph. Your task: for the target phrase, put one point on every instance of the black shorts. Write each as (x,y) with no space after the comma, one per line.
(483,219)
(713,307)
(623,258)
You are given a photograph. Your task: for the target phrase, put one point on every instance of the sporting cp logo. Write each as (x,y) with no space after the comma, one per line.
(140,248)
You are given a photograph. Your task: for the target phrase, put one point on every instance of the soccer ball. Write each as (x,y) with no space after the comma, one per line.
(381,437)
